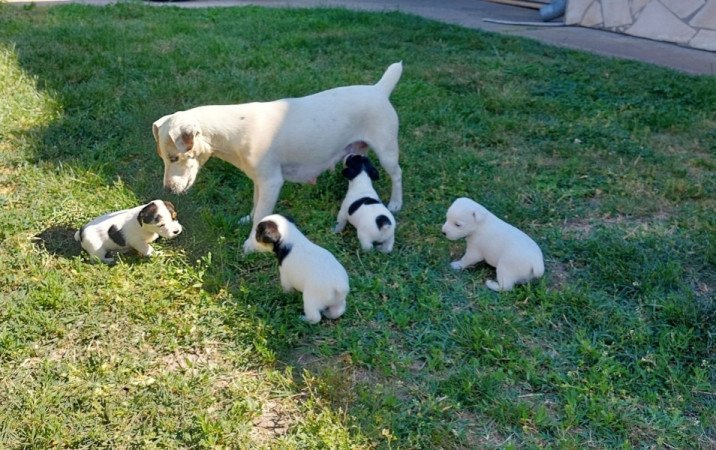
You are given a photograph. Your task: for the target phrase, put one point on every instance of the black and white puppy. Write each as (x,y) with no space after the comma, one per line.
(130,228)
(305,267)
(362,207)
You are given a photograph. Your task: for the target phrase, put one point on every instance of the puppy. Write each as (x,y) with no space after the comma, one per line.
(305,267)
(130,228)
(515,255)
(294,139)
(362,207)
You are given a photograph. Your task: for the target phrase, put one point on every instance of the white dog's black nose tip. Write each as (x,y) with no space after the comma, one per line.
(177,231)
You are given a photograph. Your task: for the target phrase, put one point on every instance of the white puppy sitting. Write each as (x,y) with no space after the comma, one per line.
(130,228)
(305,267)
(515,255)
(362,207)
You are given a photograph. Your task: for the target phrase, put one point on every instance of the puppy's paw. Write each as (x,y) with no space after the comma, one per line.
(249,246)
(311,320)
(338,228)
(148,252)
(244,220)
(457,265)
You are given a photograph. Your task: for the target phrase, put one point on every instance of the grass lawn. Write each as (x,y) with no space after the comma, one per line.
(608,165)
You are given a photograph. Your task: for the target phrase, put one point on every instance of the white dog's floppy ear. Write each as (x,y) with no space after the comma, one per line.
(183,137)
(479,213)
(156,125)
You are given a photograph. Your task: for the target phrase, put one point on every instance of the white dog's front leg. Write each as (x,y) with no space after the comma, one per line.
(266,200)
(470,258)
(142,248)
(341,220)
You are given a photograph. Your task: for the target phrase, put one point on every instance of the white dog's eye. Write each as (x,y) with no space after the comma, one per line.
(458,224)
(173,159)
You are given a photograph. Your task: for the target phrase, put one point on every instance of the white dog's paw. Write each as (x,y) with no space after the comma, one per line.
(493,285)
(456,265)
(249,246)
(394,206)
(311,321)
(148,252)
(244,220)
(338,228)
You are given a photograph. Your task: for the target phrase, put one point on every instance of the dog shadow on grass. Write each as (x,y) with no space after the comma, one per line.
(59,240)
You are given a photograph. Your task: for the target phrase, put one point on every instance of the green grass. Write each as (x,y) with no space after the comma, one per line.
(608,164)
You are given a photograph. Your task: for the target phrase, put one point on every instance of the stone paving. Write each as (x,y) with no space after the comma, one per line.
(473,14)
(687,22)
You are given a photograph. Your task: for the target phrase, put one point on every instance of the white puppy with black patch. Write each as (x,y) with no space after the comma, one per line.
(515,255)
(294,139)
(374,223)
(130,228)
(305,267)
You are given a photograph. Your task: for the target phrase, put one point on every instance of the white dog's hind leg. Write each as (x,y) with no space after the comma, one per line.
(388,157)
(311,314)
(505,280)
(366,243)
(387,245)
(335,311)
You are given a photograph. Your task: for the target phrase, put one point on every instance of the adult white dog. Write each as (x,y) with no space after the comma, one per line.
(293,139)
(305,267)
(515,255)
(133,228)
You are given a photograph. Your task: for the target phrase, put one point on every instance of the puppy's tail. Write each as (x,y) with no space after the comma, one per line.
(78,236)
(390,78)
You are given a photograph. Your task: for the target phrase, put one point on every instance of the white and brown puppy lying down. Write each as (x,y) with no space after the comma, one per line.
(130,228)
(305,267)
(362,207)
(515,255)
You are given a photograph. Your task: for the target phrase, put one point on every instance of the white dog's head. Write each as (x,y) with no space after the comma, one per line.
(272,234)
(181,147)
(463,218)
(160,217)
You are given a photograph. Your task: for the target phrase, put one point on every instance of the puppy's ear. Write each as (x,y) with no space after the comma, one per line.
(267,232)
(148,214)
(369,169)
(171,208)
(479,213)
(158,124)
(354,166)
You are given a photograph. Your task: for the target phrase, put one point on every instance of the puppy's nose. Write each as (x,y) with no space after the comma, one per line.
(444,232)
(176,231)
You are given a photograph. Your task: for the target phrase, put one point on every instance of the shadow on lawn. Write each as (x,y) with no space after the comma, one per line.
(59,240)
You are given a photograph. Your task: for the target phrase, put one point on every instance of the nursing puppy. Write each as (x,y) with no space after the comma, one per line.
(130,228)
(515,255)
(294,139)
(362,207)
(305,267)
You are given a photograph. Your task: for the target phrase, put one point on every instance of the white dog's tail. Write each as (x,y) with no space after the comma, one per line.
(77,235)
(390,78)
